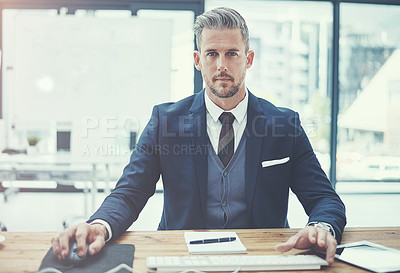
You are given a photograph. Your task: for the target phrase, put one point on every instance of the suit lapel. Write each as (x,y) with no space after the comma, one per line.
(255,129)
(197,118)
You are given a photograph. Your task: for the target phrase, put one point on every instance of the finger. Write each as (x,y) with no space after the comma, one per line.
(288,245)
(330,249)
(55,244)
(312,235)
(321,237)
(96,238)
(82,231)
(96,245)
(64,239)
(64,243)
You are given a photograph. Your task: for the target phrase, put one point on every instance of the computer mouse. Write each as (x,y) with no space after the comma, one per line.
(73,258)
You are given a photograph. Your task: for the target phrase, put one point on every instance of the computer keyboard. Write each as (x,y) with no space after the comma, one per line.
(233,262)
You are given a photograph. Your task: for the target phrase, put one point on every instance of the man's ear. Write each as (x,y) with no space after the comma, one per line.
(250,58)
(196,56)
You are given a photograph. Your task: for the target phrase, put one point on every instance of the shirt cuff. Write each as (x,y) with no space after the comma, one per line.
(107,226)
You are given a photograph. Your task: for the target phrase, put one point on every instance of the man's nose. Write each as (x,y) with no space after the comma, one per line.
(222,64)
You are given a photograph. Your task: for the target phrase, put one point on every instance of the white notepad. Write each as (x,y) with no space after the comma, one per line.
(232,247)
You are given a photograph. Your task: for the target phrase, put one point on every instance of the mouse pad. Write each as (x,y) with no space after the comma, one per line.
(108,258)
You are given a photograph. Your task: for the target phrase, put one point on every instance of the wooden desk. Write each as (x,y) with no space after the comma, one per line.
(23,252)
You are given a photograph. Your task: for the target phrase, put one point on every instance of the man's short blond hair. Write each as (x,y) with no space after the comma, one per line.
(221,18)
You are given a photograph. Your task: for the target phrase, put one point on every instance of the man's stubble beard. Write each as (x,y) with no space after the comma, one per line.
(234,89)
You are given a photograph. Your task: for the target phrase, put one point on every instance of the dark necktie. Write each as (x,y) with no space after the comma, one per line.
(226,138)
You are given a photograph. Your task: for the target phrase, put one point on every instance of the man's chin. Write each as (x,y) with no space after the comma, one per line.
(223,93)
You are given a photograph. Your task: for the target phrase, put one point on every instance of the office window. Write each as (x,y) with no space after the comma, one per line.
(99,71)
(292,42)
(369,98)
(181,54)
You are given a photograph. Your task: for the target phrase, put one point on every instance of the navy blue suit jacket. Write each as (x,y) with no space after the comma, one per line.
(174,145)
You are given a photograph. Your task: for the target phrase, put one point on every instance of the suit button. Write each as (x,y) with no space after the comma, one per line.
(223,203)
(225,173)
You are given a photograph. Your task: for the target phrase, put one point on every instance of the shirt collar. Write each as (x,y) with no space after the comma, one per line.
(215,111)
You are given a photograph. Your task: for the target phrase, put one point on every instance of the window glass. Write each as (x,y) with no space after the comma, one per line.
(95,75)
(292,43)
(369,98)
(182,68)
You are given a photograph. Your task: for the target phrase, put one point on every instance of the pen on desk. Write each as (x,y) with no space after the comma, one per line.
(216,240)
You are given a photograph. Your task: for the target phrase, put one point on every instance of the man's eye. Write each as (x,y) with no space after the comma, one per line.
(211,54)
(232,54)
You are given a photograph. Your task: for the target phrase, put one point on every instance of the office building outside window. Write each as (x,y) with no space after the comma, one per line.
(369,95)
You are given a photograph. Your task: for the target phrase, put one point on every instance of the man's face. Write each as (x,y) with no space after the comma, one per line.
(223,61)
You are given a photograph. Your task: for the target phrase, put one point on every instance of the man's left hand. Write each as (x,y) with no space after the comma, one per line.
(311,237)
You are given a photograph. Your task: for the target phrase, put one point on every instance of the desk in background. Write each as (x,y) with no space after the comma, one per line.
(23,252)
(62,170)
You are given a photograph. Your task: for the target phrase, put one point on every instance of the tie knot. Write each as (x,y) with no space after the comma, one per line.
(226,118)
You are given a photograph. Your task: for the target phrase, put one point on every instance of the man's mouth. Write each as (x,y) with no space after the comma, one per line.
(223,78)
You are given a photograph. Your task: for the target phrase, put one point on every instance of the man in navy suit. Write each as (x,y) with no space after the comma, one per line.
(227,158)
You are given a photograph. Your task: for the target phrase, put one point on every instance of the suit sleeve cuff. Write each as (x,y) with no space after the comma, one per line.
(106,225)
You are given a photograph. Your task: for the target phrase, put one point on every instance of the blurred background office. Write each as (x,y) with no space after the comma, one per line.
(79,78)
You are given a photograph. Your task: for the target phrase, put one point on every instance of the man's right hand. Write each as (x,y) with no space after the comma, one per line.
(95,235)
